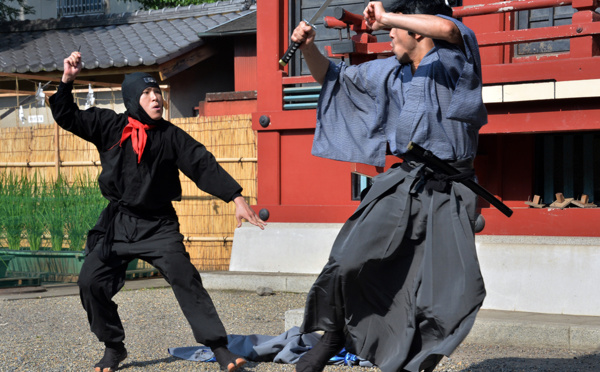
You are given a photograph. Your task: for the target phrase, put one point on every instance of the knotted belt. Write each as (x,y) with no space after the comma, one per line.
(438,165)
(434,179)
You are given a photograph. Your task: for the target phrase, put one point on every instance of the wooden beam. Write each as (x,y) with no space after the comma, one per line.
(505,6)
(185,61)
(231,96)
(538,34)
(118,70)
(13,92)
(57,79)
(12,75)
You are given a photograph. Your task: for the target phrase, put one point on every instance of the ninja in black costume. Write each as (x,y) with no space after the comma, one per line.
(141,155)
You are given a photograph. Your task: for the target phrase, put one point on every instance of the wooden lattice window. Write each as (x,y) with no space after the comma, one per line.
(545,17)
(567,163)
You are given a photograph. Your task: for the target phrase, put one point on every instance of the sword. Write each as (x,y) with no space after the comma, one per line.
(294,46)
(429,159)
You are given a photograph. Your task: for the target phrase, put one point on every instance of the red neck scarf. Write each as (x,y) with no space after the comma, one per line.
(137,131)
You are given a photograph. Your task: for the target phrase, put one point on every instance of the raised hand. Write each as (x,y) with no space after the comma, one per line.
(72,67)
(303,34)
(372,15)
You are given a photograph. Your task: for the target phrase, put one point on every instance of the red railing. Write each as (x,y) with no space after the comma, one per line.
(506,6)
(584,21)
(497,45)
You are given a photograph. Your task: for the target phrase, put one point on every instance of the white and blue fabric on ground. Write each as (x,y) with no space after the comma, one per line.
(286,348)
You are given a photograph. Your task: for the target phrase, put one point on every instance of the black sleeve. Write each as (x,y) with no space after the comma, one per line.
(197,163)
(95,125)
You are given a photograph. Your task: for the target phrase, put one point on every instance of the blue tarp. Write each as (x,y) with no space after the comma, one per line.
(286,348)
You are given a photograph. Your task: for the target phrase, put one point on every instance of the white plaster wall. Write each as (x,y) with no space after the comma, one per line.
(283,247)
(541,274)
(557,275)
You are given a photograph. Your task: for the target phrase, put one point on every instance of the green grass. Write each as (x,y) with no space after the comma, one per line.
(53,212)
(12,209)
(32,208)
(33,205)
(84,204)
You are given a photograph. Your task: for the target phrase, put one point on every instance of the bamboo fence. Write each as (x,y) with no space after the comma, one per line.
(207,223)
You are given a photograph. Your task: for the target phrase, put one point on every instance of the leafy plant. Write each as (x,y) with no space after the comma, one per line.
(54,212)
(12,12)
(33,199)
(35,207)
(11,209)
(84,204)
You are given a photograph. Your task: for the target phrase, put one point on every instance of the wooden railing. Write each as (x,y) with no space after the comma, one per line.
(501,65)
(497,42)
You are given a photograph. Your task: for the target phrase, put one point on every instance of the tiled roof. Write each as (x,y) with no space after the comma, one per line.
(114,40)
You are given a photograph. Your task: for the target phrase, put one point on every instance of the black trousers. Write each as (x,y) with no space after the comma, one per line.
(161,244)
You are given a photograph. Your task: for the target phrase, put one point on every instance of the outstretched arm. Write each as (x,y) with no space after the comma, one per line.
(426,25)
(317,63)
(243,210)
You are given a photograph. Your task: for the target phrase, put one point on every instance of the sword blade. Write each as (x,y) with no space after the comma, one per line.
(319,12)
(294,46)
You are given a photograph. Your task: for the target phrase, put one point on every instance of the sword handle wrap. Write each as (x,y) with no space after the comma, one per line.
(292,48)
(288,54)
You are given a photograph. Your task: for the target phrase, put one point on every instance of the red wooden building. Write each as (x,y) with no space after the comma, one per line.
(541,75)
(541,89)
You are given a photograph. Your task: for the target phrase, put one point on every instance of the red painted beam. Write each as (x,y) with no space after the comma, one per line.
(538,34)
(536,117)
(506,6)
(543,222)
(308,213)
(373,48)
(285,120)
(289,80)
(556,70)
(506,37)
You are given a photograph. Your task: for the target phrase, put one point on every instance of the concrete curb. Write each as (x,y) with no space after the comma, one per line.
(250,281)
(519,329)
(513,328)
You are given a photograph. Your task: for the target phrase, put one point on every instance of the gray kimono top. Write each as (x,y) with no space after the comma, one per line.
(362,108)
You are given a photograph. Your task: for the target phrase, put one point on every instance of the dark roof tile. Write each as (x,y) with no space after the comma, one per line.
(119,40)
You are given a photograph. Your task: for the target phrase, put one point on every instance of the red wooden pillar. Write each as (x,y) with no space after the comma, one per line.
(586,46)
(268,31)
(489,23)
(269,168)
(270,98)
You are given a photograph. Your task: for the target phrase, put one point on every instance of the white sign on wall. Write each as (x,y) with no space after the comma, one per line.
(35,119)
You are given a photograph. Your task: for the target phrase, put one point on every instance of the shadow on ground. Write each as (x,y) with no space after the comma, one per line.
(148,363)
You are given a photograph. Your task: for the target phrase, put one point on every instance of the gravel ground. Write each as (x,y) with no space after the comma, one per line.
(52,334)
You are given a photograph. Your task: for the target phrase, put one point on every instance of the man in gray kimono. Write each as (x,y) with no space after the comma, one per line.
(402,285)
